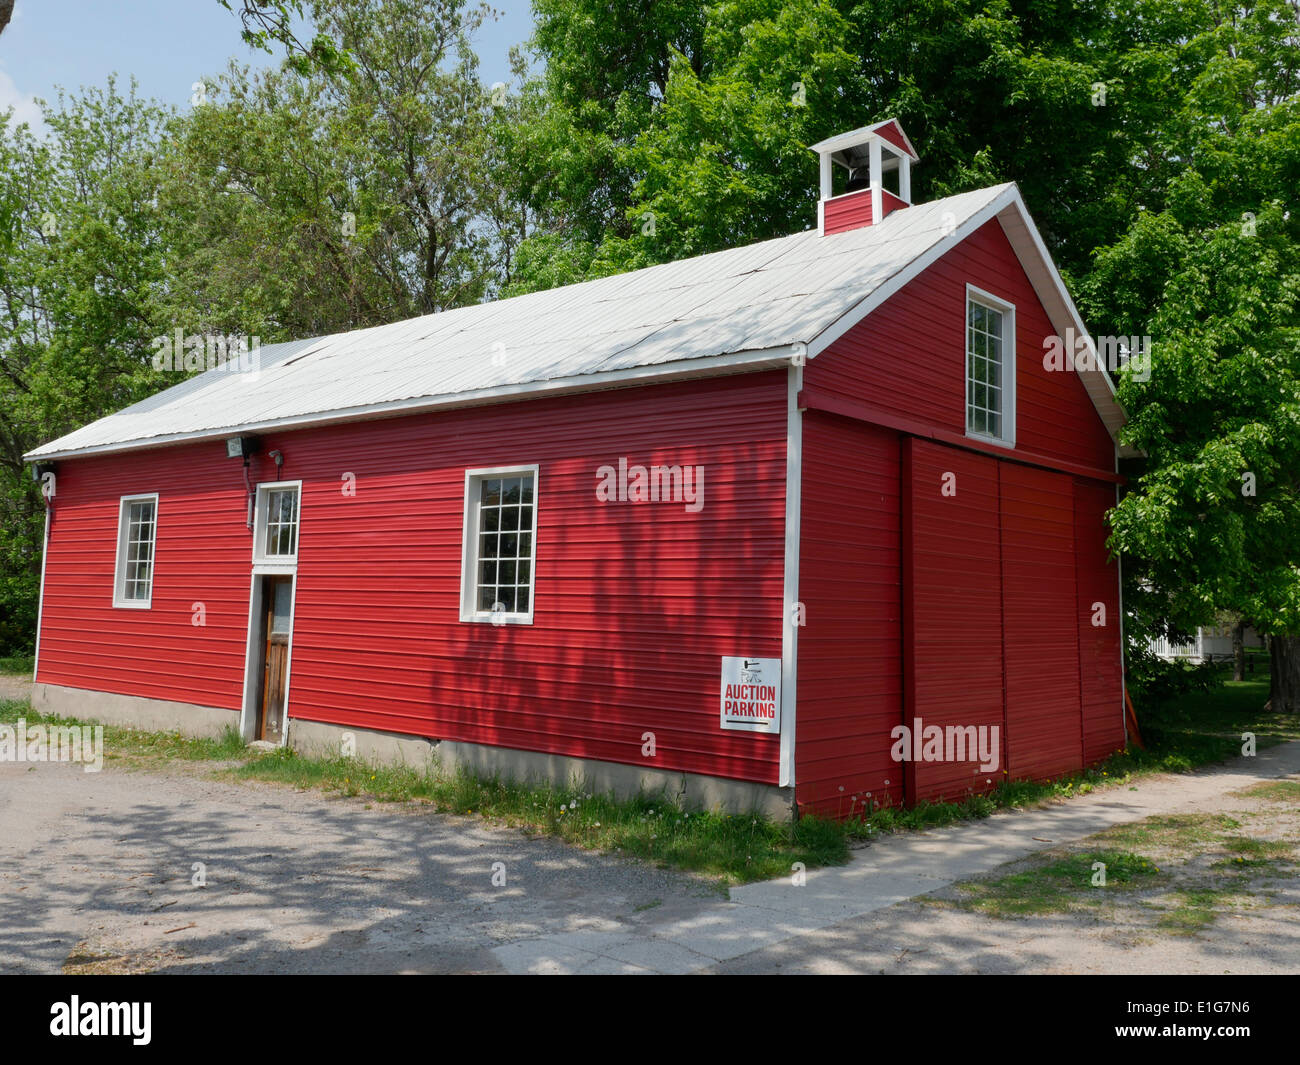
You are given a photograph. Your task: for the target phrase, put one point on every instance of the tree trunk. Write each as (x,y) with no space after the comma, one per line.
(1239,651)
(1284,683)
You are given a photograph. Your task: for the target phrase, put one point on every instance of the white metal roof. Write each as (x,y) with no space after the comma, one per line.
(737,309)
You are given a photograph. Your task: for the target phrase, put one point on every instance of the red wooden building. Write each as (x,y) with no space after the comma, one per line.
(722,526)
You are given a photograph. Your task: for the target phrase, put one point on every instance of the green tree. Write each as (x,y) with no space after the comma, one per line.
(314,199)
(1210,270)
(81,273)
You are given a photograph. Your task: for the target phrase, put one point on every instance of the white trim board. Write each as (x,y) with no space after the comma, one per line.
(666,373)
(790,589)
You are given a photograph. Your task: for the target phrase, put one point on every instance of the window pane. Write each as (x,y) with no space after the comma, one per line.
(505,521)
(281,612)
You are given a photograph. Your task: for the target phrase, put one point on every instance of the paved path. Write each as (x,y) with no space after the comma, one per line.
(100,866)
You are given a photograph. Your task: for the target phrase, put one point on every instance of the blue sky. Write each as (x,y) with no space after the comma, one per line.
(166,44)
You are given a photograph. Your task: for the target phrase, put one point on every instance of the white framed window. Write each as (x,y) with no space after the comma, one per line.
(137,529)
(275,527)
(500,545)
(990,367)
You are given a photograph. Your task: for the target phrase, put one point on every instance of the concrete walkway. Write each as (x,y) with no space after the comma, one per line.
(892,870)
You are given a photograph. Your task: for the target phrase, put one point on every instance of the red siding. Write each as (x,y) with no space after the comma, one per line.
(953,610)
(910,355)
(850,211)
(203,553)
(635,603)
(850,650)
(853,210)
(893,133)
(1044,723)
(1100,662)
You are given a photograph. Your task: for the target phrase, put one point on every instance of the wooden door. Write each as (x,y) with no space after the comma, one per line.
(277,607)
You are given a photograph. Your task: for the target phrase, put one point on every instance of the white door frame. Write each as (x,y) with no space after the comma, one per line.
(254,648)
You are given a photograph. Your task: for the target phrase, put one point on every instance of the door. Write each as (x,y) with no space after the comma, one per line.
(277,610)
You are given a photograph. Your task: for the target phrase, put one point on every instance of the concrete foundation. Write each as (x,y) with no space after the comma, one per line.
(386,748)
(695,790)
(150,715)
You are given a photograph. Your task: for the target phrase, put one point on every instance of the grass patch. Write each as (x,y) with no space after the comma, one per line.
(1249,865)
(1172,832)
(1272,791)
(733,848)
(1193,910)
(1251,847)
(126,745)
(1206,726)
(19,664)
(1058,885)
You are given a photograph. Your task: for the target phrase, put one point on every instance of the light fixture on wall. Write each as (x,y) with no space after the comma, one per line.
(244,447)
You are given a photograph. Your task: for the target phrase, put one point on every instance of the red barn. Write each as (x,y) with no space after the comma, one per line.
(728,526)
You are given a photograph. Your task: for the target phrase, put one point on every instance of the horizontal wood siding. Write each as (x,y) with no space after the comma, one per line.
(850,211)
(635,603)
(910,355)
(850,649)
(201,574)
(1100,663)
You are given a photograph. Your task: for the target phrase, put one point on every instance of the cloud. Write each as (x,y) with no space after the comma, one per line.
(24,105)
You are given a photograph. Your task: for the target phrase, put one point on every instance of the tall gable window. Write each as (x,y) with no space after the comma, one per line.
(990,367)
(137,525)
